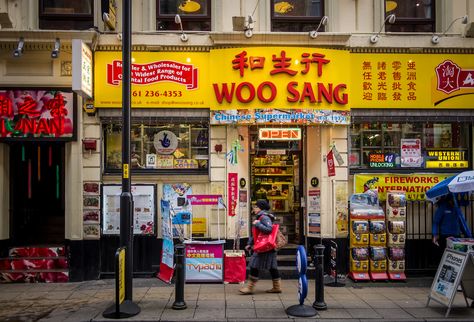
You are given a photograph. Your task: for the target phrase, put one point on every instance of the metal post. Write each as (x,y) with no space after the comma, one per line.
(126,200)
(319,303)
(179,303)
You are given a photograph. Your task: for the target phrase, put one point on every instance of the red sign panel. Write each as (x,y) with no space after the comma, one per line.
(159,71)
(232,193)
(38,114)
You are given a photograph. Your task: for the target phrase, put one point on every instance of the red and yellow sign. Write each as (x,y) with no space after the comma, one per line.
(415,185)
(281,77)
(412,81)
(158,79)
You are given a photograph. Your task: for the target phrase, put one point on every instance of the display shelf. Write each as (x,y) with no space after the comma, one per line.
(275,183)
(273,165)
(273,175)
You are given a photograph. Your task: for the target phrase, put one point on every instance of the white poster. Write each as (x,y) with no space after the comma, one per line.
(314,200)
(411,153)
(144,211)
(448,276)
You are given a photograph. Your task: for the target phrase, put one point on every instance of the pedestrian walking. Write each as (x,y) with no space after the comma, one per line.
(445,222)
(266,260)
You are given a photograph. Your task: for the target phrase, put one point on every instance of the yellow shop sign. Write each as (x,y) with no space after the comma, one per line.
(415,185)
(158,80)
(279,77)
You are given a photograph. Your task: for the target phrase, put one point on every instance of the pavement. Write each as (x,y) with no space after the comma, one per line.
(86,301)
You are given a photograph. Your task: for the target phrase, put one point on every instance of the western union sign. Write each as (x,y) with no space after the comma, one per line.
(447,159)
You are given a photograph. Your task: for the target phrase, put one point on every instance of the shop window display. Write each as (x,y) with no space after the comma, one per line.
(409,145)
(160,147)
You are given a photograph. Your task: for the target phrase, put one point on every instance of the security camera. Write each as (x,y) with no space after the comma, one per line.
(248,33)
(19,49)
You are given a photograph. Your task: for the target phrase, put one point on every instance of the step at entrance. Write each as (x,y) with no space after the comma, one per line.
(35,264)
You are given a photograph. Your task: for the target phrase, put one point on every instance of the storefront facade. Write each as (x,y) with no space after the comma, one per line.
(411,128)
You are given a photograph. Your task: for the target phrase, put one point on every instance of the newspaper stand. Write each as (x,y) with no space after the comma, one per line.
(455,269)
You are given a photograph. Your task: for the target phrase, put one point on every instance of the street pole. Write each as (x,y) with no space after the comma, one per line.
(126,308)
(126,199)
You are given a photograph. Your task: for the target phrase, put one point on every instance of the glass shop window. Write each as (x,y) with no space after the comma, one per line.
(296,15)
(428,145)
(66,15)
(195,14)
(159,147)
(412,15)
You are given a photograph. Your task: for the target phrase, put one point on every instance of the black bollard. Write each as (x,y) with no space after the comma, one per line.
(179,303)
(319,303)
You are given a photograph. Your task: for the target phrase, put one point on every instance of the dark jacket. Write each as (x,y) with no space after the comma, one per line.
(446,221)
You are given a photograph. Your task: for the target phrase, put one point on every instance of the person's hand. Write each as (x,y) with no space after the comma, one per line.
(255,222)
(435,240)
(248,248)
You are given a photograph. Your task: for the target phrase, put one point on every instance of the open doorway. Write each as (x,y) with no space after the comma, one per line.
(277,175)
(37,193)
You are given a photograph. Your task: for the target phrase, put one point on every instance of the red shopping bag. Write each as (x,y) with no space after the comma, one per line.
(234,266)
(264,242)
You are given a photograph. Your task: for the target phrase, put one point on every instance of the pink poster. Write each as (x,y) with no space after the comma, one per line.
(232,193)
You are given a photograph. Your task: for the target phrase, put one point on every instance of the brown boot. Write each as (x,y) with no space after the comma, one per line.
(276,286)
(249,288)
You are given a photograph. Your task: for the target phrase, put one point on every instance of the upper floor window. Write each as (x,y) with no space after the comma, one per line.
(296,15)
(66,15)
(195,14)
(412,15)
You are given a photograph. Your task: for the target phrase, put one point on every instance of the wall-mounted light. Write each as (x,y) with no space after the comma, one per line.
(249,27)
(435,39)
(391,20)
(177,20)
(314,33)
(56,49)
(19,49)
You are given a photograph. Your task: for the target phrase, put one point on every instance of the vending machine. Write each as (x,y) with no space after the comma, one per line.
(363,208)
(378,250)
(396,231)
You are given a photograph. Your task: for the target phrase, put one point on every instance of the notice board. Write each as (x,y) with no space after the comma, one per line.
(456,268)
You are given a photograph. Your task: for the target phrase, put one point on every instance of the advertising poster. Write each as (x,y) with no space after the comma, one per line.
(177,195)
(204,261)
(448,276)
(144,211)
(342,217)
(167,255)
(411,153)
(232,185)
(314,200)
(314,224)
(414,185)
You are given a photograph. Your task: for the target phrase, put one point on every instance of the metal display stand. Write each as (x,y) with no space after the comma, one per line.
(456,268)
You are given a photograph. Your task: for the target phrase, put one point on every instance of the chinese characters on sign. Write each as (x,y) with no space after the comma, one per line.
(389,81)
(36,114)
(233,187)
(452,78)
(262,76)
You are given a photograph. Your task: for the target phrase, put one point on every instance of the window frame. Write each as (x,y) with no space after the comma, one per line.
(364,168)
(412,22)
(311,20)
(57,17)
(185,18)
(107,170)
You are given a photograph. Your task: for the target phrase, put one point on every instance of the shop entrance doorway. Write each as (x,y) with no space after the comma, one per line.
(276,172)
(37,193)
